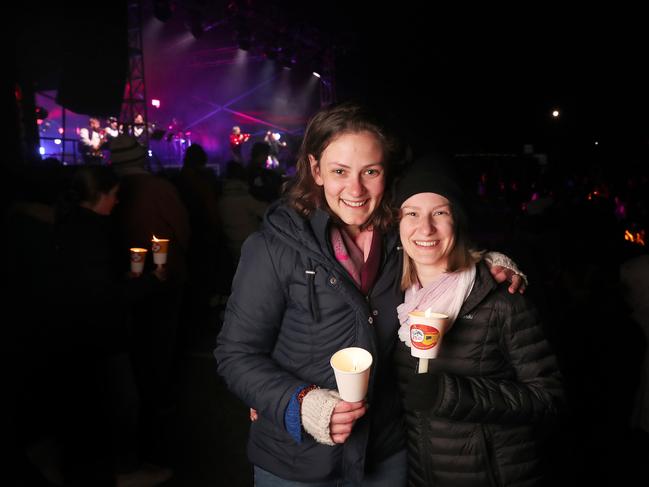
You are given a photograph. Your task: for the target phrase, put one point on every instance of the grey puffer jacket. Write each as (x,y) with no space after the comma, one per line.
(499,387)
(292,307)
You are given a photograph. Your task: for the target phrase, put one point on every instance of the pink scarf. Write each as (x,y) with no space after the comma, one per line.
(361,264)
(444,295)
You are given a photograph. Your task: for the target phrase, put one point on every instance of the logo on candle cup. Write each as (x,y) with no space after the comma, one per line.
(156,246)
(136,257)
(424,337)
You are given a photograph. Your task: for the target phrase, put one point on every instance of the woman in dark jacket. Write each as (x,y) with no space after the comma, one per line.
(321,276)
(475,418)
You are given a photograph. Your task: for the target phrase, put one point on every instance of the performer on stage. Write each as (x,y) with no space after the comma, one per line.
(274,144)
(140,130)
(114,128)
(91,140)
(236,141)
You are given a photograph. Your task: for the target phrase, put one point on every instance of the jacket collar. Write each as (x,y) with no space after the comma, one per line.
(307,236)
(310,235)
(484,284)
(320,223)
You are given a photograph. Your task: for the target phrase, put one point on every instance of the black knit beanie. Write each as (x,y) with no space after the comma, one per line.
(429,174)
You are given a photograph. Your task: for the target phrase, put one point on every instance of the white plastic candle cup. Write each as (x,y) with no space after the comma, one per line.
(352,369)
(426,333)
(138,257)
(160,248)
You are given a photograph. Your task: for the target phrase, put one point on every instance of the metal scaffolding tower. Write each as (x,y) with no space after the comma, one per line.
(135,100)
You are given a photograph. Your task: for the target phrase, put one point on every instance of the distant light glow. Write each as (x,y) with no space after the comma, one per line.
(155,103)
(555,113)
(317,75)
(150,153)
(61,130)
(635,237)
(596,142)
(57,141)
(41,151)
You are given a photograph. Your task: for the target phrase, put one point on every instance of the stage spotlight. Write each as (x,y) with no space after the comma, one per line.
(162,10)
(197,31)
(196,26)
(270,53)
(242,33)
(243,39)
(287,58)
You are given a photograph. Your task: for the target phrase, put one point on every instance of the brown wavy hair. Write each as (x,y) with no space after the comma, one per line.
(304,195)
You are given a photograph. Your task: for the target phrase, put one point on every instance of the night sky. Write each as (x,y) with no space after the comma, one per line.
(486,80)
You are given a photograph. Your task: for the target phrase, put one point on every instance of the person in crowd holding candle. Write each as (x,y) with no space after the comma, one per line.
(318,277)
(475,417)
(151,206)
(91,300)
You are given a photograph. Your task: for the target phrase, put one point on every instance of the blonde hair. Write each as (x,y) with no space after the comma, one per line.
(460,257)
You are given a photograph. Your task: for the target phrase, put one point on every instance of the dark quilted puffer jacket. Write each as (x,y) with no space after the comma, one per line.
(499,387)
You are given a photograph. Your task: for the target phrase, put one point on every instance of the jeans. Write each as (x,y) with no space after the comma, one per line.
(391,472)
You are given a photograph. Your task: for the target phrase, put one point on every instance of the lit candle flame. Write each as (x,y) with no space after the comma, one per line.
(637,237)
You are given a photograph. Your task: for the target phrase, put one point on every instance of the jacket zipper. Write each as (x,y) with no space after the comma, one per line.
(488,457)
(423,451)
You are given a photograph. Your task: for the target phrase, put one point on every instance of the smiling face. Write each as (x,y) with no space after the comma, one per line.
(352,175)
(427,232)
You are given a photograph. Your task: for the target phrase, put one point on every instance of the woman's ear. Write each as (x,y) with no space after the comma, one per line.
(315,170)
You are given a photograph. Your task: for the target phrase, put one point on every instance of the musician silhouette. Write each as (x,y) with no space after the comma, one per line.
(114,128)
(91,140)
(236,141)
(274,145)
(140,130)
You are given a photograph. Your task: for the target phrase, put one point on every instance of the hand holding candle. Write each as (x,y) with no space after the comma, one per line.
(426,330)
(160,247)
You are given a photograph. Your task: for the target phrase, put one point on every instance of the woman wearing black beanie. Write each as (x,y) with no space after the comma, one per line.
(474,417)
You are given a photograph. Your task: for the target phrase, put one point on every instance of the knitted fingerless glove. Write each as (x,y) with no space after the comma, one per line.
(496,258)
(317,407)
